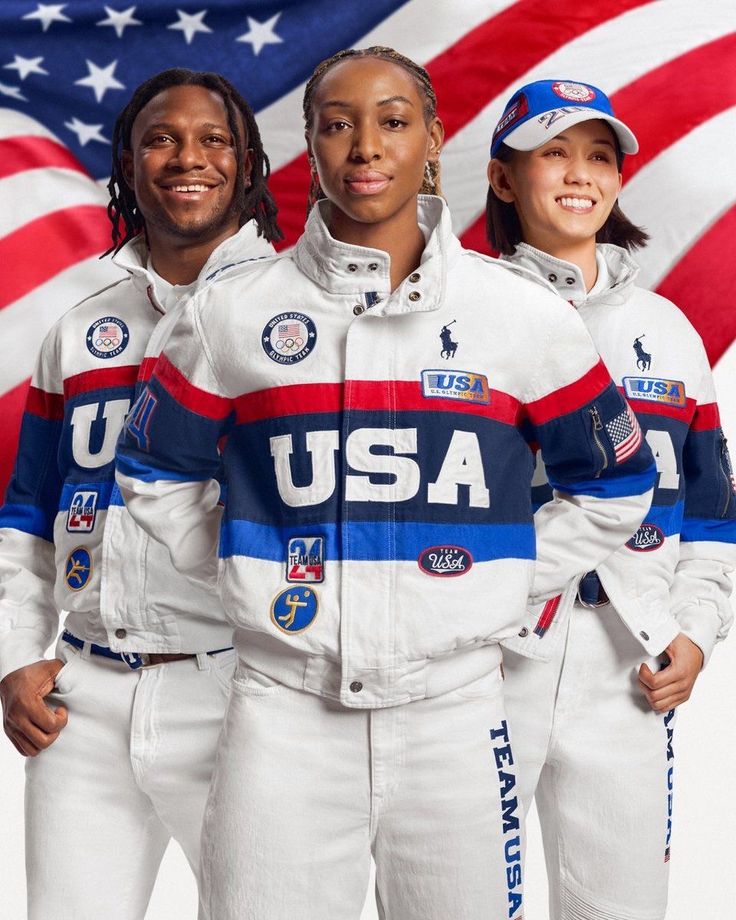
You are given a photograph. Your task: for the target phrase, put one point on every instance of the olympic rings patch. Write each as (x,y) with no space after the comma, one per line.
(107,337)
(289,337)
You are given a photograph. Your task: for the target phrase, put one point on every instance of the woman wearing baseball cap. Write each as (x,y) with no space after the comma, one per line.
(593,727)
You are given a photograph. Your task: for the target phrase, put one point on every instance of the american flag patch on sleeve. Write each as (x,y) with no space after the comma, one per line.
(625,434)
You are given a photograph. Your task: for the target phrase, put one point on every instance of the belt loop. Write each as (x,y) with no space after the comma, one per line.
(86,650)
(203,661)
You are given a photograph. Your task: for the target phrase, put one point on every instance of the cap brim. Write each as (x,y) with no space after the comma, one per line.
(532,133)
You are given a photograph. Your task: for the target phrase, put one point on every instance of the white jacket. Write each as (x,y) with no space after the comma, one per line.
(672,575)
(378,538)
(55,550)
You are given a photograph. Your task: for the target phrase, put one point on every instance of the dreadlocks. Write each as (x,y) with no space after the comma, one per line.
(254,202)
(431,184)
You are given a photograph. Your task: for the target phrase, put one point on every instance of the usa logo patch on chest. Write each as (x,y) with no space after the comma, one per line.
(466,386)
(656,389)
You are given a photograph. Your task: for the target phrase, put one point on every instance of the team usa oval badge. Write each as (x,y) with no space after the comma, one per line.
(289,337)
(294,609)
(647,538)
(107,337)
(445,561)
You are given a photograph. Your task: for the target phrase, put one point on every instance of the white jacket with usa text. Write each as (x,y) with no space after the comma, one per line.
(673,574)
(58,550)
(378,538)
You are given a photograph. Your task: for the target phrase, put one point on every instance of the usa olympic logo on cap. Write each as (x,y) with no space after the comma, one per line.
(574,92)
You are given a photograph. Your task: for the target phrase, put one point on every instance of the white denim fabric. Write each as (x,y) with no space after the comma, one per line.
(130,770)
(601,763)
(305,789)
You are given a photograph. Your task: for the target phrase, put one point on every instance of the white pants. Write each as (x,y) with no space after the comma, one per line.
(130,770)
(601,763)
(305,789)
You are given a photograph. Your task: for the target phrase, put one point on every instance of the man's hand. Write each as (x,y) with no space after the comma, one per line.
(29,723)
(674,683)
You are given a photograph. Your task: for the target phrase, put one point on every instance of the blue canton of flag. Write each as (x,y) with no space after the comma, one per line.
(73,66)
(625,434)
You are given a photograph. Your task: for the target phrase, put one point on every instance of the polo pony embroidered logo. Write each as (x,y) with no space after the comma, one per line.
(448,346)
(643,358)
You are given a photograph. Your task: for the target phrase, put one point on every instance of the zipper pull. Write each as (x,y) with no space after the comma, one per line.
(596,416)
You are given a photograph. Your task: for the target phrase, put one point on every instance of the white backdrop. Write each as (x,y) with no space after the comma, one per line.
(703,881)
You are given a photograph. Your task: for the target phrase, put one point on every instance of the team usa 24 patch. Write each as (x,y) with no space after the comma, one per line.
(467,386)
(82,512)
(305,560)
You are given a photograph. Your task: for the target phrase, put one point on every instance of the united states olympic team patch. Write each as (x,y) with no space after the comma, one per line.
(289,337)
(107,337)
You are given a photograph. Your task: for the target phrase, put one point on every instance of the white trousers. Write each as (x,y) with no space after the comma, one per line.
(130,770)
(305,789)
(601,763)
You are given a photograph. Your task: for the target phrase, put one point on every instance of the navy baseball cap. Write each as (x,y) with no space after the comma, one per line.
(541,110)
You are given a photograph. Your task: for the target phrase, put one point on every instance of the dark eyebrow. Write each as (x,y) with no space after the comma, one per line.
(170,126)
(342,104)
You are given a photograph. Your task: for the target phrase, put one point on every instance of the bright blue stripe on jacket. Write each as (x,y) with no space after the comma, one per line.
(695,530)
(28,519)
(370,541)
(103,490)
(667,517)
(129,466)
(618,487)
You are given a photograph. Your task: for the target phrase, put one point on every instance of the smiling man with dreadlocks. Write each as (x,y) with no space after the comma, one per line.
(126,717)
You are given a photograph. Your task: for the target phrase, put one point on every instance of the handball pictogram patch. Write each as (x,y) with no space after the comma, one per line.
(294,609)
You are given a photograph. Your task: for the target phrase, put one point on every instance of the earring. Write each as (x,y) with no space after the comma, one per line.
(428,177)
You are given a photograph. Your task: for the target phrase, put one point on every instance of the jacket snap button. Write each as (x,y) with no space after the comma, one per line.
(569,281)
(644,635)
(372,266)
(352,267)
(356,686)
(357,309)
(121,633)
(414,277)
(552,277)
(523,632)
(415,295)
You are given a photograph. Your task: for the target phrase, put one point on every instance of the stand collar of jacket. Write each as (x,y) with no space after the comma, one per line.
(567,279)
(343,268)
(246,243)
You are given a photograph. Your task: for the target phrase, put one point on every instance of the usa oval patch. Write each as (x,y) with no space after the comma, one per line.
(445,561)
(647,538)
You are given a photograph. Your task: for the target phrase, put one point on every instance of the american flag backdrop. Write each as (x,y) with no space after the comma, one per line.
(66,69)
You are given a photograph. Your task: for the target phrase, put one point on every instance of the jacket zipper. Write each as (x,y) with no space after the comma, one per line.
(727,471)
(598,426)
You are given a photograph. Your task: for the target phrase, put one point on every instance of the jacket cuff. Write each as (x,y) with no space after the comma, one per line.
(700,623)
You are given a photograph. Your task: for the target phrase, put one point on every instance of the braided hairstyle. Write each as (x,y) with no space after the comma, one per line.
(431,184)
(254,202)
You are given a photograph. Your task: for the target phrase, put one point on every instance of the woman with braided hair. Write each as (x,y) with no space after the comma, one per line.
(377,540)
